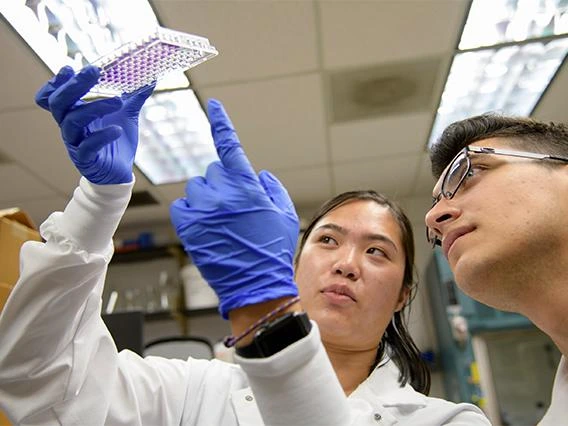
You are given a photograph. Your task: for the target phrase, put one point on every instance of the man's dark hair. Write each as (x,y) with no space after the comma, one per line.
(396,341)
(521,133)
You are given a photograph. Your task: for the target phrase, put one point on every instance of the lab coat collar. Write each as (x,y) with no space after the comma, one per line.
(383,383)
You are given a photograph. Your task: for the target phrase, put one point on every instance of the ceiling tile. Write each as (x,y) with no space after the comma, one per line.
(385,136)
(19,184)
(170,192)
(424,181)
(255,39)
(38,147)
(307,186)
(383,90)
(280,122)
(40,208)
(366,32)
(393,176)
(554,104)
(416,208)
(21,70)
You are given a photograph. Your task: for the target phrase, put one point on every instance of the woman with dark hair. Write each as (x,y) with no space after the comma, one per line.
(355,273)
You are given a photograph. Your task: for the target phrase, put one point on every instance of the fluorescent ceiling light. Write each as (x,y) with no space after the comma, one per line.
(526,41)
(78,32)
(507,80)
(175,138)
(492,22)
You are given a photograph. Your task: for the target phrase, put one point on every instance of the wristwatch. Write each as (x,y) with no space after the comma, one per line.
(276,335)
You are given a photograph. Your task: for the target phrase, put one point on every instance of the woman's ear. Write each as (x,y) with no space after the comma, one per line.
(402,298)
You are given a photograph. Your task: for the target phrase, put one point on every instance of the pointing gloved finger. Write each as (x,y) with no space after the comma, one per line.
(88,149)
(226,140)
(276,191)
(42,95)
(65,96)
(74,124)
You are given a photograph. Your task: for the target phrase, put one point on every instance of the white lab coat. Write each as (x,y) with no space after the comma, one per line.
(557,413)
(59,365)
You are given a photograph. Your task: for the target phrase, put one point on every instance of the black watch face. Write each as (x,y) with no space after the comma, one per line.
(282,333)
(277,335)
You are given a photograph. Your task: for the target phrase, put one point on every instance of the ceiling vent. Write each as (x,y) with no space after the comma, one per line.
(141,199)
(4,158)
(395,88)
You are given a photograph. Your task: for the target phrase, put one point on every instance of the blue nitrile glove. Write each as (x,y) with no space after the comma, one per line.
(100,136)
(240,229)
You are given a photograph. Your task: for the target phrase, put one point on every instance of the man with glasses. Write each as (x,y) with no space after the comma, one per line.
(500,215)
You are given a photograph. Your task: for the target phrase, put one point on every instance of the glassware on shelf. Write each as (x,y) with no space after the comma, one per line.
(152,299)
(134,301)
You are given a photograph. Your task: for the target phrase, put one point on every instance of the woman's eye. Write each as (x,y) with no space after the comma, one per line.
(326,239)
(376,251)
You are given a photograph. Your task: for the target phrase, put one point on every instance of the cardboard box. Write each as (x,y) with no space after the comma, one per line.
(5,290)
(16,227)
(4,420)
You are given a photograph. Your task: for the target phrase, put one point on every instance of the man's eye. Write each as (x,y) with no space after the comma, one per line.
(475,169)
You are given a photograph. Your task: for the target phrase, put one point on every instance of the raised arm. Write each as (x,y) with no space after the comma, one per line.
(56,357)
(241,231)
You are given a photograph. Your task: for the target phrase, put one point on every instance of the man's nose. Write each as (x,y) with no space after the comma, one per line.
(439,216)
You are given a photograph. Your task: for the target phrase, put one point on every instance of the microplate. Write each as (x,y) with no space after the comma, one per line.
(141,62)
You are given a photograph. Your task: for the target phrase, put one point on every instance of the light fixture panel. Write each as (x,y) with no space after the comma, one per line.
(509,80)
(492,22)
(175,138)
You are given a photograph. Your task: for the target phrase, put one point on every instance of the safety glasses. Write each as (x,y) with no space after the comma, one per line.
(459,170)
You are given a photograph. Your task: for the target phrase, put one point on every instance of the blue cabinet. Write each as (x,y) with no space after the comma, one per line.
(457,318)
(480,317)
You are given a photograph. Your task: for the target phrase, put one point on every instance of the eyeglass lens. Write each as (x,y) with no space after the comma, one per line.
(452,180)
(455,175)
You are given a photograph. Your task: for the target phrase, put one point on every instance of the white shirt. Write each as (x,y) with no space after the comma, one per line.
(59,365)
(557,413)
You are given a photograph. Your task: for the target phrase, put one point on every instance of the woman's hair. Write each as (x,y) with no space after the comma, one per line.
(396,341)
(520,132)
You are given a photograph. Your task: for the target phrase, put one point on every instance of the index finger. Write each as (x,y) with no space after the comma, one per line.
(227,142)
(65,96)
(43,94)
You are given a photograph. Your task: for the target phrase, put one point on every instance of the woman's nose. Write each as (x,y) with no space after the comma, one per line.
(347,264)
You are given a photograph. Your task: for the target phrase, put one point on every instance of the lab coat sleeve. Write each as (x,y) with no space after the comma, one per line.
(45,352)
(58,362)
(298,386)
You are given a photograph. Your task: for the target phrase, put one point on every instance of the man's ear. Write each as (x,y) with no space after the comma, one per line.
(402,298)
